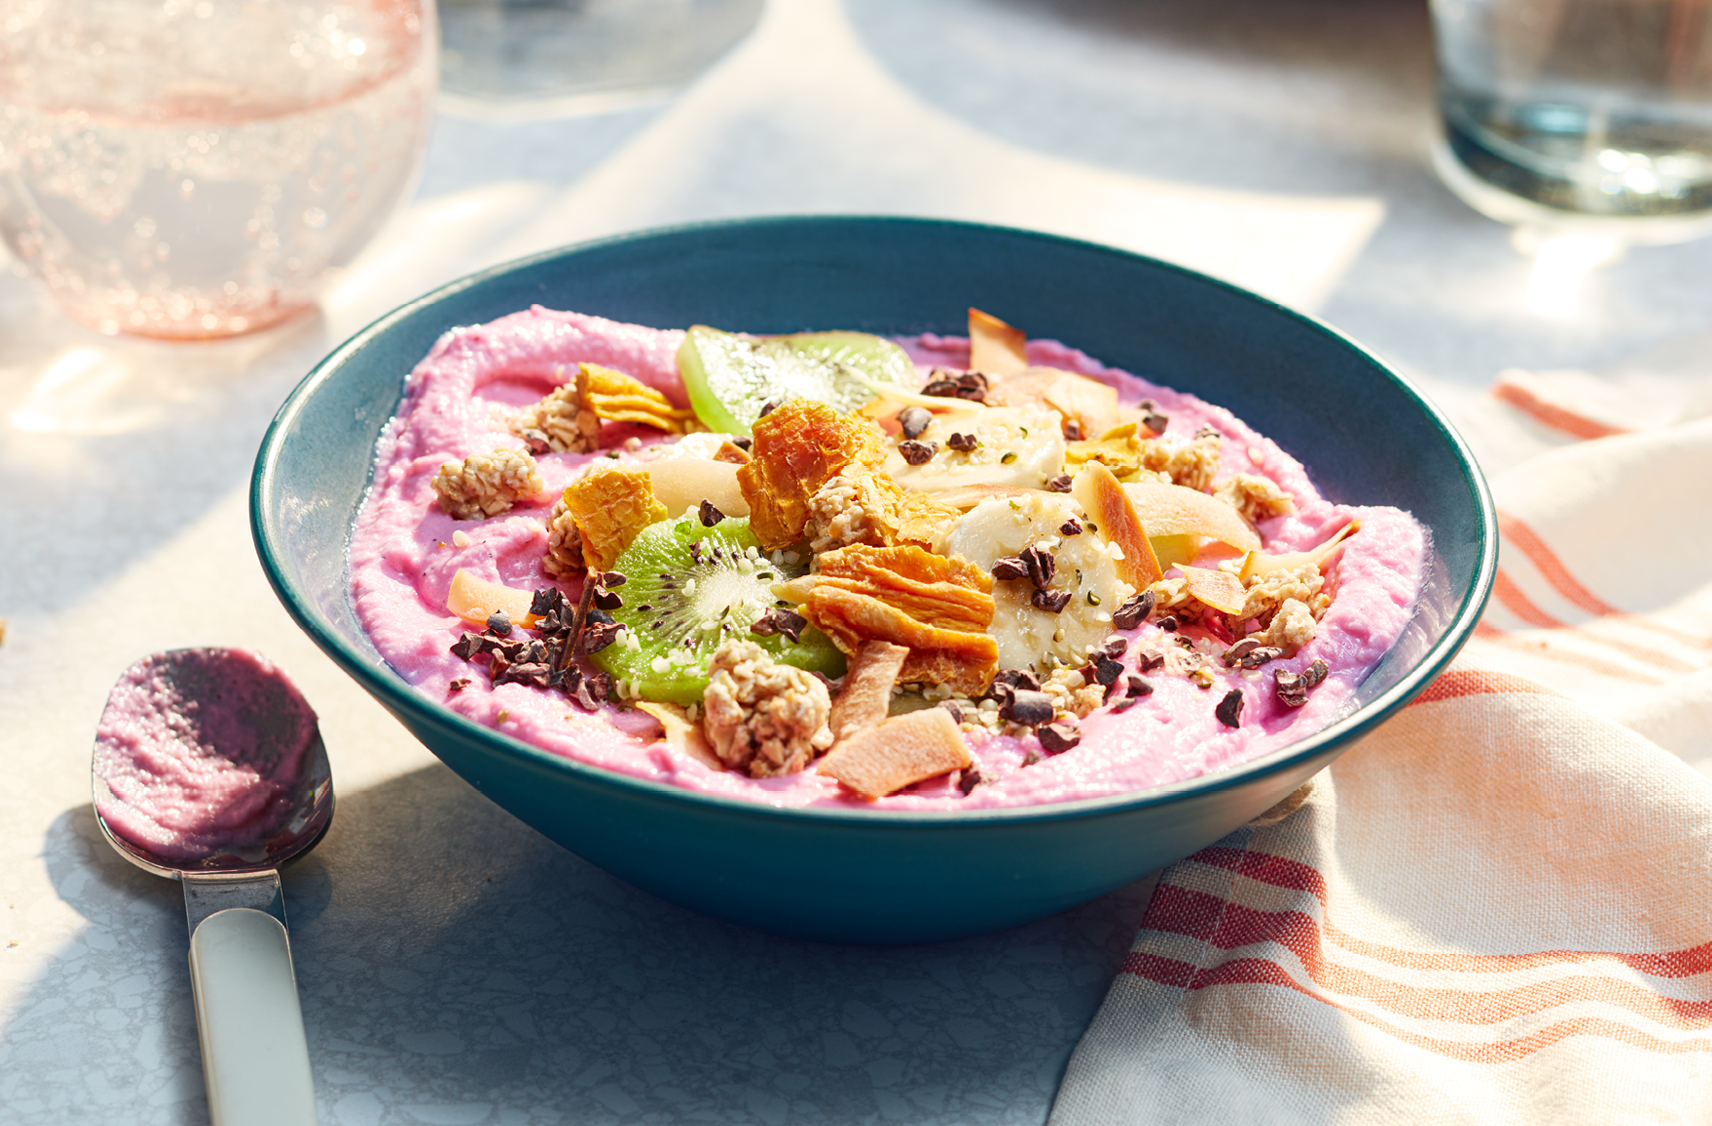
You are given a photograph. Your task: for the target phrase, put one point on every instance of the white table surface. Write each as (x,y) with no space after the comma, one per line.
(454,966)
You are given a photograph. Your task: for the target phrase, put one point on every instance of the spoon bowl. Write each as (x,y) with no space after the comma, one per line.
(209,768)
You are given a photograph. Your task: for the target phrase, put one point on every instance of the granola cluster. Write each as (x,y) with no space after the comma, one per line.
(764,718)
(1192,464)
(485,485)
(559,423)
(1257,498)
(862,506)
(569,418)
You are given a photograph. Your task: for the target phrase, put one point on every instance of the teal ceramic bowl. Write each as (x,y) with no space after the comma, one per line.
(1365,434)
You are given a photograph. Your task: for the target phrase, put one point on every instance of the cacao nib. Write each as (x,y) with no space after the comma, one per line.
(1056,738)
(1229,710)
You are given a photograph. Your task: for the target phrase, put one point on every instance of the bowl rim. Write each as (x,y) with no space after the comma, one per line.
(398,696)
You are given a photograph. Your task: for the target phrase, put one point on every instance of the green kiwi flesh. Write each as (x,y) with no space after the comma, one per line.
(730,377)
(679,576)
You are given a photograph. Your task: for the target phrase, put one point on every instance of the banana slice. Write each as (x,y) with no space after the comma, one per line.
(1019,446)
(1082,565)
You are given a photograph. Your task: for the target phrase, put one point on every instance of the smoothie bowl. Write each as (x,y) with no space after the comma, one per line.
(1239,542)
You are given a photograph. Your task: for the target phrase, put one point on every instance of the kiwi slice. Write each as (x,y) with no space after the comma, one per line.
(730,377)
(687,589)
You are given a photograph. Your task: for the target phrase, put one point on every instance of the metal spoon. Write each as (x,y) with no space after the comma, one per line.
(209,769)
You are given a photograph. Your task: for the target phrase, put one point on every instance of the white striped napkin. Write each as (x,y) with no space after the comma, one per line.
(1498,907)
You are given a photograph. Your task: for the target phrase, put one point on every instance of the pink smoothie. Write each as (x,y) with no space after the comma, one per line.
(404,553)
(200,749)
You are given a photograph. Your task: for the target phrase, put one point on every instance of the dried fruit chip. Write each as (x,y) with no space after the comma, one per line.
(799,447)
(1174,510)
(994,346)
(938,607)
(899,752)
(680,732)
(609,507)
(476,600)
(865,696)
(617,397)
(1108,505)
(1219,589)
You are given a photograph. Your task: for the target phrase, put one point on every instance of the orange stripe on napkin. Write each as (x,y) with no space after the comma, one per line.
(1552,415)
(1291,875)
(1551,568)
(1177,910)
(1519,604)
(1256,971)
(1458,683)
(1538,648)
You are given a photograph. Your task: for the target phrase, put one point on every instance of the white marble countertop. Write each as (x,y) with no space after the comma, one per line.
(454,966)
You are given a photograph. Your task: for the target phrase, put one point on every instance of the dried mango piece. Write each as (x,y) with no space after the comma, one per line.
(609,508)
(617,397)
(799,447)
(937,590)
(1121,453)
(937,607)
(899,752)
(731,452)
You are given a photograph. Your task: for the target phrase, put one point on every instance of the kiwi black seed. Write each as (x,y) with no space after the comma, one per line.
(692,588)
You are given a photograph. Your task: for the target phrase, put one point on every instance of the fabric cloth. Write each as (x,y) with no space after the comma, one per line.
(1497,908)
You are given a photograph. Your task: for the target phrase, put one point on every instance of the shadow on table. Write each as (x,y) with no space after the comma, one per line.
(1259,95)
(454,965)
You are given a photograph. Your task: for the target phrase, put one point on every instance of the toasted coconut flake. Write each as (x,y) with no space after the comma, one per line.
(1092,405)
(1174,510)
(681,733)
(865,696)
(475,600)
(900,752)
(1107,503)
(994,346)
(609,508)
(1259,563)
(1219,589)
(799,447)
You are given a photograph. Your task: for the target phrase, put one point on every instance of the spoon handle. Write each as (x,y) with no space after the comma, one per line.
(255,1059)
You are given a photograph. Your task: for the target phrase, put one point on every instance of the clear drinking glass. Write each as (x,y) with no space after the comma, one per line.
(1583,108)
(521,59)
(197,168)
